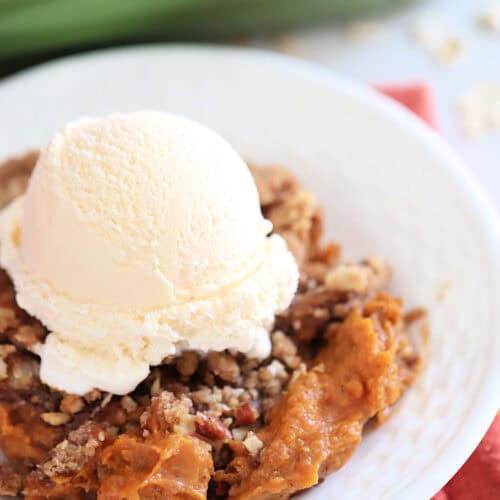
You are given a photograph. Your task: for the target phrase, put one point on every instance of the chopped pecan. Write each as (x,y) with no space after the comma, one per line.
(211,428)
(245,415)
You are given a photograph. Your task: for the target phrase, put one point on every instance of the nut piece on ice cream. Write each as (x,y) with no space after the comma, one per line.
(139,236)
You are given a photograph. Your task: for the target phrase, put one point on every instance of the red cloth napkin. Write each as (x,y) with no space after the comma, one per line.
(479,477)
(417,97)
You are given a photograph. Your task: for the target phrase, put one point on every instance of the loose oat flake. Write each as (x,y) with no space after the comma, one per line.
(489,20)
(445,47)
(479,109)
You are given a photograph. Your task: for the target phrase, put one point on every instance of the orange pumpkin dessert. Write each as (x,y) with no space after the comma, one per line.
(222,425)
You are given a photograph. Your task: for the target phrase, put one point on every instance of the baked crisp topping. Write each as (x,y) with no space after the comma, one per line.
(220,424)
(11,480)
(73,453)
(71,404)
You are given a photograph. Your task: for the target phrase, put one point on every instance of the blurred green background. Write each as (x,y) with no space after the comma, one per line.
(35,30)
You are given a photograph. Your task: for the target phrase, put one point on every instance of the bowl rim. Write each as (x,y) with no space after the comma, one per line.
(488,402)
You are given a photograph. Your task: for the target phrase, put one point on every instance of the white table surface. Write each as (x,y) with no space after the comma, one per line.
(394,56)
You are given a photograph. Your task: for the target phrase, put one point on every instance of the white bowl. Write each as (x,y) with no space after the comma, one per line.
(389,186)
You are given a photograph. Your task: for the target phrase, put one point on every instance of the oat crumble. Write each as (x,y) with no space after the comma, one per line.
(224,414)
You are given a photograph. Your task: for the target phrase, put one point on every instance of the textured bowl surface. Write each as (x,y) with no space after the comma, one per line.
(389,186)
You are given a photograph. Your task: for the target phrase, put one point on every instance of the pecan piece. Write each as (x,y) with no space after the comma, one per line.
(245,415)
(211,428)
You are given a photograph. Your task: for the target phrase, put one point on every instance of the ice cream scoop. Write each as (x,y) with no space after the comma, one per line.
(140,236)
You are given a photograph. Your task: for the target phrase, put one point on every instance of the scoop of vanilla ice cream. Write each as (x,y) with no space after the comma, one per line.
(139,236)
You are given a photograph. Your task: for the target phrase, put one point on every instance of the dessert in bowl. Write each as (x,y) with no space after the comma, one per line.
(387,186)
(174,326)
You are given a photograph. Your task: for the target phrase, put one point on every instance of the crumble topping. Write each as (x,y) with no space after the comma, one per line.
(11,480)
(71,404)
(55,418)
(211,422)
(74,452)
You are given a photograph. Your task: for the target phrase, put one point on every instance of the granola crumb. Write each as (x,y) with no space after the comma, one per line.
(27,336)
(223,365)
(295,214)
(6,350)
(187,364)
(165,412)
(186,425)
(284,348)
(10,480)
(92,395)
(273,378)
(71,404)
(380,269)
(128,404)
(55,418)
(349,278)
(72,453)
(23,371)
(274,184)
(274,370)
